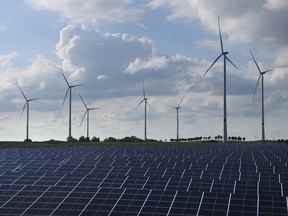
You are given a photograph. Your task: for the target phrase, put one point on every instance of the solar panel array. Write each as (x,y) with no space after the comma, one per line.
(213,179)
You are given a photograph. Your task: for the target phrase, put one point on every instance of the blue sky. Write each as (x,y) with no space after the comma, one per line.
(111,46)
(28,31)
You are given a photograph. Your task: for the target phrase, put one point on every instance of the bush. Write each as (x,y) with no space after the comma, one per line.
(71,139)
(110,139)
(82,139)
(95,139)
(28,140)
(132,139)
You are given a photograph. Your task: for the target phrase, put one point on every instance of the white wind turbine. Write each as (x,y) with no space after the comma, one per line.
(69,90)
(261,79)
(223,54)
(87,114)
(27,107)
(145,101)
(178,107)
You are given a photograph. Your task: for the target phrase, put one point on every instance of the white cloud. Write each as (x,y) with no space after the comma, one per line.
(153,63)
(243,20)
(92,11)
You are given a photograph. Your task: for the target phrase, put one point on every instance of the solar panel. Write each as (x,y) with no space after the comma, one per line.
(212,179)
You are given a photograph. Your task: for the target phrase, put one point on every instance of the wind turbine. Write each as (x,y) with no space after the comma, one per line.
(86,114)
(27,107)
(261,77)
(178,107)
(145,101)
(69,90)
(223,54)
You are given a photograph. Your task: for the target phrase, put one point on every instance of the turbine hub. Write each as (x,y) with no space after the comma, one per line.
(225,53)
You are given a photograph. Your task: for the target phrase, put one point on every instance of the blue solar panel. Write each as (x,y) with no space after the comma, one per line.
(212,179)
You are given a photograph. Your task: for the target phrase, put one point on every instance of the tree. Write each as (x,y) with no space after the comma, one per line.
(95,139)
(110,139)
(82,139)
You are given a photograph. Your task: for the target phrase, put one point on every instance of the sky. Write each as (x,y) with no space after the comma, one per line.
(112,46)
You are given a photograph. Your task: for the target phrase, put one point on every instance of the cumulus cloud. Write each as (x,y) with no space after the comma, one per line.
(114,64)
(92,11)
(156,63)
(37,74)
(245,20)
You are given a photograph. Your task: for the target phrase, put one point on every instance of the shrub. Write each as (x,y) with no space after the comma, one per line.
(82,139)
(95,139)
(71,139)
(28,140)
(110,139)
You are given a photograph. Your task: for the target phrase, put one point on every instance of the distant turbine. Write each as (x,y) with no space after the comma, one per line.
(145,100)
(223,54)
(261,76)
(27,107)
(69,90)
(178,107)
(86,114)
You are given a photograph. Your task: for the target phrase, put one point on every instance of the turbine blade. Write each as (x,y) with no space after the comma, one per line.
(214,62)
(255,62)
(22,92)
(65,97)
(74,86)
(85,105)
(267,71)
(257,84)
(220,35)
(83,118)
(23,109)
(144,92)
(33,99)
(96,108)
(65,79)
(231,62)
(140,102)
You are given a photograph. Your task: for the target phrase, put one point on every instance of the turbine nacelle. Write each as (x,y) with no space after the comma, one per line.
(74,86)
(32,99)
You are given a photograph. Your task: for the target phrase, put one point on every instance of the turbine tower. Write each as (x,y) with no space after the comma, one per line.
(69,90)
(86,114)
(226,59)
(145,101)
(178,107)
(261,79)
(27,107)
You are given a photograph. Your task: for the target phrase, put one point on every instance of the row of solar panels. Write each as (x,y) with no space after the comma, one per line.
(40,200)
(184,184)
